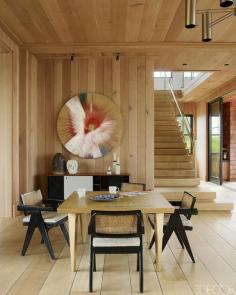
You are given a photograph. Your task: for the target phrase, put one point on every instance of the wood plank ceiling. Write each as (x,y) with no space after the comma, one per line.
(50,28)
(74,21)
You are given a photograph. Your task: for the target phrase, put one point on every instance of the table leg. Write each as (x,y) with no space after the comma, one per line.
(159,220)
(72,218)
(147,228)
(84,222)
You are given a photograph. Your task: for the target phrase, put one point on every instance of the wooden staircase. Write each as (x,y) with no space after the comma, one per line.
(173,164)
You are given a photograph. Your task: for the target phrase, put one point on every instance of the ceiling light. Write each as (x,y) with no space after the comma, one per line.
(190,14)
(206,27)
(226,3)
(207,13)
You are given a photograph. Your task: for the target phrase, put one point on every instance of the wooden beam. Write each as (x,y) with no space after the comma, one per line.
(123,47)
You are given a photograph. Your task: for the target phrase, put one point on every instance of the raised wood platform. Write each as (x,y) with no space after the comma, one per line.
(206,201)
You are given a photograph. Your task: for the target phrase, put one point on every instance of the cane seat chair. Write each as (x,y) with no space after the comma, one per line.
(116,233)
(41,214)
(178,222)
(131,187)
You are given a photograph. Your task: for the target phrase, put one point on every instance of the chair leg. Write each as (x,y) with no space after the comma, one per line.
(65,233)
(45,237)
(152,242)
(137,268)
(179,238)
(184,238)
(28,237)
(91,270)
(167,233)
(141,271)
(94,262)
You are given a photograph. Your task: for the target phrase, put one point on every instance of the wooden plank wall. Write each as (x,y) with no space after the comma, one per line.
(9,126)
(129,83)
(6,134)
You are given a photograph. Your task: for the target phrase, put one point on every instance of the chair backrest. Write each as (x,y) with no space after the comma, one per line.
(132,187)
(188,202)
(113,223)
(33,198)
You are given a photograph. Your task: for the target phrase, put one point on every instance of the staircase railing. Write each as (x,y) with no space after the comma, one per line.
(186,128)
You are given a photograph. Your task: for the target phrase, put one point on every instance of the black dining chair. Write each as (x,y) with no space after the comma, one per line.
(41,214)
(178,222)
(116,233)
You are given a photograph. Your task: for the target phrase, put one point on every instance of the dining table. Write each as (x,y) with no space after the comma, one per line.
(149,202)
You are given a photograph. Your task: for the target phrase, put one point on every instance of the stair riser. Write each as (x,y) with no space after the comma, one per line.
(165,123)
(169,145)
(165,127)
(173,165)
(168,139)
(168,133)
(191,182)
(174,173)
(170,152)
(171,158)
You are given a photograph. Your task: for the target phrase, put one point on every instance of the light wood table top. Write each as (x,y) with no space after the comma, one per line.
(151,202)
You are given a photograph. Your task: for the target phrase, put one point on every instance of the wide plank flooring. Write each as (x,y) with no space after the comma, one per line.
(213,242)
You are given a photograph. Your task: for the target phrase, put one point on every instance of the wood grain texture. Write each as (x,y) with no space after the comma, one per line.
(127,82)
(9,130)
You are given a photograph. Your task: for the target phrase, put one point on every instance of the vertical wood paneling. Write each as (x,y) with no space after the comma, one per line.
(9,181)
(149,123)
(141,122)
(128,82)
(6,132)
(133,119)
(124,98)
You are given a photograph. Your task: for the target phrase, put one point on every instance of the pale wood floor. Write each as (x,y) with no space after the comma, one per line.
(213,241)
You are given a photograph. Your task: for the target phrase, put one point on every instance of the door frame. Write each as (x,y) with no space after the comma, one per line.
(220,180)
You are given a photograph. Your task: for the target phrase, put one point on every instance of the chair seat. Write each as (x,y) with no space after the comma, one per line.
(48,217)
(116,242)
(186,222)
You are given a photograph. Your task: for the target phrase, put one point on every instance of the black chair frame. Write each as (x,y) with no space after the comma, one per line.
(175,225)
(118,249)
(36,221)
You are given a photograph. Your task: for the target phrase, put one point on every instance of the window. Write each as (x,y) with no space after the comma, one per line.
(162,74)
(187,136)
(191,75)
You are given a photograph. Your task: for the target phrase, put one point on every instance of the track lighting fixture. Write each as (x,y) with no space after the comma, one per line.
(190,14)
(206,26)
(226,3)
(117,56)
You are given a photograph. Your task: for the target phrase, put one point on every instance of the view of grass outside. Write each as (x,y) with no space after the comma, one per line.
(215,144)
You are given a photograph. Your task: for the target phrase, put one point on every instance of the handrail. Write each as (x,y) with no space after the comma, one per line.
(184,120)
(187,126)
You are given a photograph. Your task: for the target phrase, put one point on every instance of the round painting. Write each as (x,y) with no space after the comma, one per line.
(89,125)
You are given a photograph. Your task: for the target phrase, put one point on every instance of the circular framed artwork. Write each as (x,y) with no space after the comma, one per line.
(90,125)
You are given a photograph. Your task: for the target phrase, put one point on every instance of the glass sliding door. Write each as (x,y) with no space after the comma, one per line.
(215,140)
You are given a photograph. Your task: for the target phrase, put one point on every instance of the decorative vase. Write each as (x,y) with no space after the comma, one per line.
(72,166)
(59,164)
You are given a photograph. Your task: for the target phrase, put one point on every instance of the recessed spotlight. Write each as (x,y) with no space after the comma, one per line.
(184,64)
(226,64)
